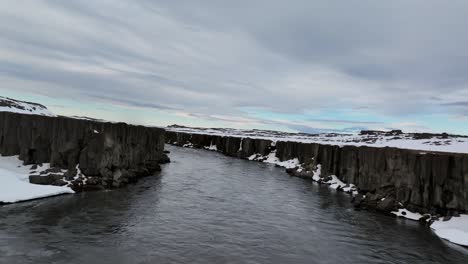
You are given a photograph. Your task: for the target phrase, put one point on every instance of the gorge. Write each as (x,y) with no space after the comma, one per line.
(417,176)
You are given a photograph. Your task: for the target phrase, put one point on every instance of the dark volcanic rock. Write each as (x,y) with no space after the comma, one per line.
(357,201)
(42,180)
(164,159)
(115,153)
(386,205)
(435,182)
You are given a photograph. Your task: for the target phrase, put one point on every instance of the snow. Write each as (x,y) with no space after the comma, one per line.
(254,156)
(454,144)
(290,164)
(455,230)
(335,183)
(15,186)
(272,159)
(90,119)
(407,214)
(188,145)
(212,147)
(21,107)
(350,188)
(316,175)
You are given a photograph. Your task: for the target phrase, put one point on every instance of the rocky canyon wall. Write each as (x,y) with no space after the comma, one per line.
(389,178)
(95,154)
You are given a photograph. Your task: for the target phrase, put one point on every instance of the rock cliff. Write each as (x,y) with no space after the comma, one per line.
(387,178)
(84,154)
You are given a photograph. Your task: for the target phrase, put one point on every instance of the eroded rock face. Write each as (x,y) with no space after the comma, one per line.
(427,182)
(109,154)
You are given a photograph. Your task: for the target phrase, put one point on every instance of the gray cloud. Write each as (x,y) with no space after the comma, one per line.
(461,103)
(352,122)
(132,103)
(392,58)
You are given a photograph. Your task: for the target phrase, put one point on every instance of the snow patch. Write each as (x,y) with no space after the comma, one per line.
(317,173)
(254,157)
(335,183)
(455,230)
(15,186)
(407,214)
(212,147)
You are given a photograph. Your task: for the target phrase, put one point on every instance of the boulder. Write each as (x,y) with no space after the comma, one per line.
(41,180)
(386,205)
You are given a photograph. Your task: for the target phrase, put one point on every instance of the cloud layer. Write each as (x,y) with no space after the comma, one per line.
(372,64)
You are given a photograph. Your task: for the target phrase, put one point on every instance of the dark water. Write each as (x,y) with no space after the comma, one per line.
(207,208)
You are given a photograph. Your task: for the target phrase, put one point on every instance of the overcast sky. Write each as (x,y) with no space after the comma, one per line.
(289,65)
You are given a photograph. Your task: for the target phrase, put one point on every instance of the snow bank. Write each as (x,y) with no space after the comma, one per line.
(335,183)
(407,214)
(272,159)
(15,186)
(455,230)
(317,173)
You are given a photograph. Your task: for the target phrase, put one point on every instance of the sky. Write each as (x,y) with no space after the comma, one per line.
(298,65)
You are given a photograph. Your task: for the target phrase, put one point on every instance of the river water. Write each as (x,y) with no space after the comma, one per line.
(207,208)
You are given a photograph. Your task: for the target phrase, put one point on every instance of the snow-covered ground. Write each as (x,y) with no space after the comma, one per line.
(89,119)
(455,230)
(16,106)
(15,186)
(423,142)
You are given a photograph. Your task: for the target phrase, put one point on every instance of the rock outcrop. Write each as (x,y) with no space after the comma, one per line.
(387,178)
(82,153)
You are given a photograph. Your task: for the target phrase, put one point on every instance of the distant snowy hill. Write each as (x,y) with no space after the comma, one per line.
(16,106)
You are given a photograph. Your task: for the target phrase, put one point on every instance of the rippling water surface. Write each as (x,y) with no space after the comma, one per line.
(207,208)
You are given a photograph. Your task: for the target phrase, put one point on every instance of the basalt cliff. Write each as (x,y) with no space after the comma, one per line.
(82,154)
(386,178)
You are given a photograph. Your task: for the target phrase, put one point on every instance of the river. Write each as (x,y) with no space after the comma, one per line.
(207,208)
